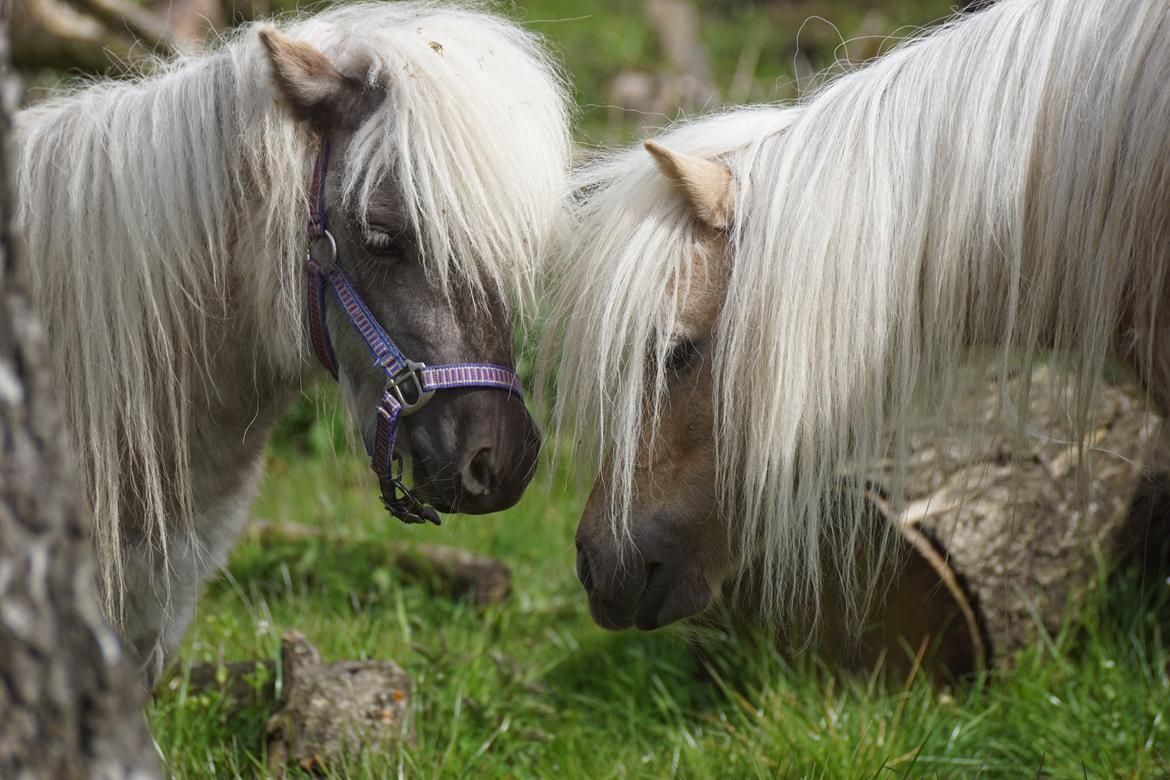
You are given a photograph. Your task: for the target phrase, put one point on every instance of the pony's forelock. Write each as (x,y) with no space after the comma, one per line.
(473,134)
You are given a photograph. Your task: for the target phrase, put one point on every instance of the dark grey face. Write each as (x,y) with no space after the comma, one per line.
(472,450)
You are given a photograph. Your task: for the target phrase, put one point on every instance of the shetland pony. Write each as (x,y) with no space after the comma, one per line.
(753,307)
(165,220)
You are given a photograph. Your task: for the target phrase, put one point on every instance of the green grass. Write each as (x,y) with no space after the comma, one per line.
(533,689)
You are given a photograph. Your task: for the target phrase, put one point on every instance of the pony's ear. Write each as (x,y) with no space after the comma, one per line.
(709,186)
(316,91)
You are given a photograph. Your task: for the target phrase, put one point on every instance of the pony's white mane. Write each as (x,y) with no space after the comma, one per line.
(1004,180)
(156,206)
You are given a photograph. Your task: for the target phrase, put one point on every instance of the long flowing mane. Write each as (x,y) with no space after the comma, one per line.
(158,206)
(1004,180)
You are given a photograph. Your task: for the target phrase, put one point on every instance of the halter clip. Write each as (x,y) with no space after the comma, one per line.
(402,503)
(410,381)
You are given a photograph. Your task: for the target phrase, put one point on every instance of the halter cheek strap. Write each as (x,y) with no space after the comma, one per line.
(409,384)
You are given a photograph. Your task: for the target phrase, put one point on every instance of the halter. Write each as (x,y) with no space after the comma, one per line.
(409,383)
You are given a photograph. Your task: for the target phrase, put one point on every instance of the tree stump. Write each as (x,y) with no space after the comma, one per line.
(331,710)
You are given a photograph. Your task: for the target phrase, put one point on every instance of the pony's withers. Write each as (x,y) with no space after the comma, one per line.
(1002,183)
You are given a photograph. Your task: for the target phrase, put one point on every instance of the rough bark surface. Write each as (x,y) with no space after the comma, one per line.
(1012,527)
(332,710)
(69,705)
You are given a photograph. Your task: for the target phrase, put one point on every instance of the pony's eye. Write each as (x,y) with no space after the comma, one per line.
(683,355)
(379,242)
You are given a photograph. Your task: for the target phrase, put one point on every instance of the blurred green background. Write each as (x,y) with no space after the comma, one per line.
(531,687)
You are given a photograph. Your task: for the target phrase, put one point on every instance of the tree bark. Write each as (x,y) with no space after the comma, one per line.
(1004,534)
(69,704)
(999,535)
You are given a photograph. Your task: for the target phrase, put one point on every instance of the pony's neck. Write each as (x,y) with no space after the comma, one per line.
(1004,180)
(164,220)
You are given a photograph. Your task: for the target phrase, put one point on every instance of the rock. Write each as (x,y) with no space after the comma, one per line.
(331,710)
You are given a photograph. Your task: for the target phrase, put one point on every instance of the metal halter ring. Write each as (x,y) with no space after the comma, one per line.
(325,236)
(410,378)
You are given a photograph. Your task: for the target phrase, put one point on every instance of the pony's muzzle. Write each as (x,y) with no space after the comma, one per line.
(493,477)
(646,586)
(483,463)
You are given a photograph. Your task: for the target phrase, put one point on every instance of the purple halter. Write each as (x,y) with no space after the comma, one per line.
(409,384)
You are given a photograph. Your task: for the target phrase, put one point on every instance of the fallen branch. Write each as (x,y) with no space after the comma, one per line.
(460,571)
(241,683)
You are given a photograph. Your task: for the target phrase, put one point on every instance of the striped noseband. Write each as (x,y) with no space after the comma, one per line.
(409,384)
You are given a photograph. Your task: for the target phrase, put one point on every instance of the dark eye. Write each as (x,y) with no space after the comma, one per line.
(379,241)
(683,355)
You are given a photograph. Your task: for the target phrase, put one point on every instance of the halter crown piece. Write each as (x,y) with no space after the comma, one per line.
(409,383)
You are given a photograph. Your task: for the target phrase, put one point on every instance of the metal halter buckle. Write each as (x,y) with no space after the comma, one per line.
(410,378)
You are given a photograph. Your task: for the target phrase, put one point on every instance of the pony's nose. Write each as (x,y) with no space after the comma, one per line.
(479,473)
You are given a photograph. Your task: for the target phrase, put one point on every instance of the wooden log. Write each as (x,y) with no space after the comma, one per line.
(1001,530)
(1014,524)
(1027,521)
(52,34)
(457,571)
(145,25)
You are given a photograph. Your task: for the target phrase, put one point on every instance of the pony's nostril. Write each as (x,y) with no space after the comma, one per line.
(479,475)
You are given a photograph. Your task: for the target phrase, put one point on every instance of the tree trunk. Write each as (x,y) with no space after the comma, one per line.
(69,704)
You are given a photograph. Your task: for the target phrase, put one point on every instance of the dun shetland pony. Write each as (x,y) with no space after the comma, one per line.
(754,306)
(166,221)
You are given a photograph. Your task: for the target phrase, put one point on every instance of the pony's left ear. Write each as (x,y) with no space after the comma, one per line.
(316,91)
(708,186)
